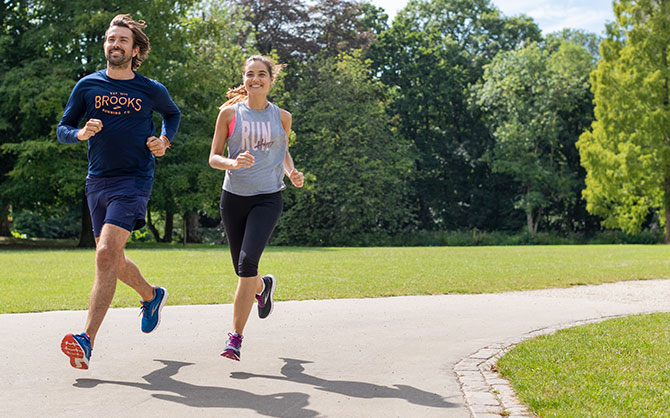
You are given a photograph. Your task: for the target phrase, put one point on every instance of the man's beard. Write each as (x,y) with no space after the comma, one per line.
(120,62)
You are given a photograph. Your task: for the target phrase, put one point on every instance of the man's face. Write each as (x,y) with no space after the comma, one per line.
(118,47)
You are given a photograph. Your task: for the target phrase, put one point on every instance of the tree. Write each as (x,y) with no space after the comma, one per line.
(588,41)
(50,45)
(341,26)
(355,164)
(36,174)
(277,25)
(431,54)
(298,30)
(59,42)
(575,115)
(627,151)
(477,26)
(526,94)
(210,62)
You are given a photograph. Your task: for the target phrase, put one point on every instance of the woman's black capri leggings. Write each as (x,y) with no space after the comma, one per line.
(249,222)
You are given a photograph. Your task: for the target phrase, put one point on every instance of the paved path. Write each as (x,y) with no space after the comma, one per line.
(338,358)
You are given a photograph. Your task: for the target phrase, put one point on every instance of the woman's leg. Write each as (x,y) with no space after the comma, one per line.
(261,221)
(244,301)
(234,212)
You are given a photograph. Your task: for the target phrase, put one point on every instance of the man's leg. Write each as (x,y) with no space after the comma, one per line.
(109,258)
(153,299)
(130,275)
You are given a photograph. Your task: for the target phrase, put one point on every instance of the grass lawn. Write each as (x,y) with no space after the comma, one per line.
(608,369)
(617,368)
(41,280)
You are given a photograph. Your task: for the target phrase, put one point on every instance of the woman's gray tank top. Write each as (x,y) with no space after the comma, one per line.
(261,133)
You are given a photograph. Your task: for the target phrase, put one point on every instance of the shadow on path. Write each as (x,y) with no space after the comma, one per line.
(276,405)
(293,371)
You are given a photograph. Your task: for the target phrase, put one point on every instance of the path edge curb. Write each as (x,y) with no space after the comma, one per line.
(487,394)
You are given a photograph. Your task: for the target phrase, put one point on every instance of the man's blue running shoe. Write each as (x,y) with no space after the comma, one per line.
(78,348)
(151,311)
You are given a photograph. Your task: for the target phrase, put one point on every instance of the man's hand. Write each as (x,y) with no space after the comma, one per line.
(157,146)
(297,178)
(92,127)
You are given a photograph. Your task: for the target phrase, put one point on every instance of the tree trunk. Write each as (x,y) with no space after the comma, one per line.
(192,233)
(169,219)
(86,238)
(666,180)
(533,221)
(4,221)
(169,226)
(529,221)
(152,227)
(666,204)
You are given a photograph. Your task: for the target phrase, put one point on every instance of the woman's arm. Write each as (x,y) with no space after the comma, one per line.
(296,177)
(216,158)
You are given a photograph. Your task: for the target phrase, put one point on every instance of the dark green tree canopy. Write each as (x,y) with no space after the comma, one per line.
(397,127)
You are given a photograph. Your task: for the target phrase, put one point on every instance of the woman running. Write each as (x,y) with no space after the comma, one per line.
(256,132)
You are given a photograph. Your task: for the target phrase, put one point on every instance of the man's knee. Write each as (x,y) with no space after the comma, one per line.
(106,255)
(110,245)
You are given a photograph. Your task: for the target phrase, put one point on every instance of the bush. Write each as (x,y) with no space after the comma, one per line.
(141,235)
(619,237)
(34,225)
(213,235)
(472,238)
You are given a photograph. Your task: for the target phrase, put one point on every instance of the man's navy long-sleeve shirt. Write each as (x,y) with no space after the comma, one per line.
(125,108)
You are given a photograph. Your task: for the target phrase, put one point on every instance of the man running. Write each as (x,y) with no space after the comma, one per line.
(117,104)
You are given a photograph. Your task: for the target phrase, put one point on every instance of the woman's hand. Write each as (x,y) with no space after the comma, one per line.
(297,178)
(244,160)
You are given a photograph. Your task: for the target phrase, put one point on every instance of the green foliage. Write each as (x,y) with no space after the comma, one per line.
(356,165)
(211,64)
(431,54)
(589,41)
(477,26)
(529,97)
(390,146)
(46,48)
(36,174)
(194,54)
(29,224)
(140,235)
(627,151)
(476,237)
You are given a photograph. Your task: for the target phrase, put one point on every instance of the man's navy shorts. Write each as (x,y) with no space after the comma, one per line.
(120,201)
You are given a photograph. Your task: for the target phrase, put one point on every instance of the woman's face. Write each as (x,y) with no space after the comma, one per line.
(257,78)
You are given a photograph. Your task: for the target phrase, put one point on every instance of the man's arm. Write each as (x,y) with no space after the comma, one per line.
(74,110)
(164,105)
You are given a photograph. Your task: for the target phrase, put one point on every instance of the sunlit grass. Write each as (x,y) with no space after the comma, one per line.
(618,368)
(40,280)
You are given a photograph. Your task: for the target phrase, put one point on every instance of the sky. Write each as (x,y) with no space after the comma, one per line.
(550,15)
